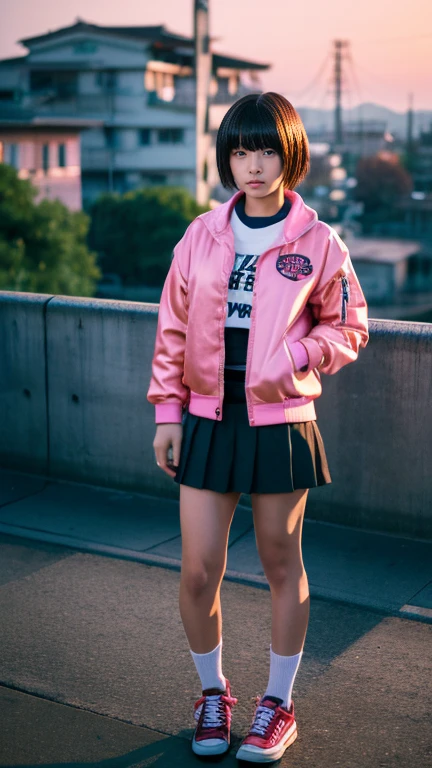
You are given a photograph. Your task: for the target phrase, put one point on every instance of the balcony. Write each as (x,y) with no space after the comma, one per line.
(154,157)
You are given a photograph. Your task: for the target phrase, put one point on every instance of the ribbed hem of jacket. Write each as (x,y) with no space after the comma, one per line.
(288,410)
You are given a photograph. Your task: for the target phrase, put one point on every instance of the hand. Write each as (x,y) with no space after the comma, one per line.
(167,445)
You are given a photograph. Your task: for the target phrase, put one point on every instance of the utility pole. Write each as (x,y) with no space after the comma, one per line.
(203,62)
(410,147)
(339,45)
(410,124)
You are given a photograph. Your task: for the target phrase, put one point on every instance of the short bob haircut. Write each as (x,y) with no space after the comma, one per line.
(264,121)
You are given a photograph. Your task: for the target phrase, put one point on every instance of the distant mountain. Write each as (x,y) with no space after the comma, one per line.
(396,122)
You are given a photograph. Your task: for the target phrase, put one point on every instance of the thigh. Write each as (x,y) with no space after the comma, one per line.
(278,521)
(205,521)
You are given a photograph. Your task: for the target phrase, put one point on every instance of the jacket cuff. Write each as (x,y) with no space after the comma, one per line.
(168,413)
(299,355)
(314,351)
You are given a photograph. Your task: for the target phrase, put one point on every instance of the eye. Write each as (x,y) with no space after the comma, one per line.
(239,152)
(269,152)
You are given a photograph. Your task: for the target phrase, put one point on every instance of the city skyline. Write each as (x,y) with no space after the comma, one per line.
(390,44)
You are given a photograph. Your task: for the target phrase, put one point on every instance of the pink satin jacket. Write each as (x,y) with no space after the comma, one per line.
(309,316)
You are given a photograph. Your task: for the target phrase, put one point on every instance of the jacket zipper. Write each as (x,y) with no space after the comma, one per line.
(218,410)
(249,347)
(345,297)
(252,331)
(221,374)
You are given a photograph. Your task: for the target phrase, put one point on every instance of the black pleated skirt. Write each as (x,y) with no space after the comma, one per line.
(230,455)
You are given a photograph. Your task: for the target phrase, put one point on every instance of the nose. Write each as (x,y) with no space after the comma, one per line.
(255,164)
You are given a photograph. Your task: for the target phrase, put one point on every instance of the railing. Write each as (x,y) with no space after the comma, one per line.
(74,374)
(154,157)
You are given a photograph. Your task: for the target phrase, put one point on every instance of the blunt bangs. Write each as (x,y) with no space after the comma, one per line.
(263,121)
(252,127)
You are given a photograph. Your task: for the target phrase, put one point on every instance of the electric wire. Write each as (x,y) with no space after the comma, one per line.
(315,80)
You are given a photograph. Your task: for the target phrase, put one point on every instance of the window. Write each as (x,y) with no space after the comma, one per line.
(426,266)
(45,157)
(85,46)
(154,178)
(62,85)
(111,137)
(107,80)
(160,84)
(13,155)
(149,80)
(111,80)
(170,135)
(61,156)
(41,81)
(144,137)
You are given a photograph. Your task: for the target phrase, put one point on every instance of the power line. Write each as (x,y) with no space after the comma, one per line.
(377,40)
(394,39)
(383,80)
(354,76)
(315,80)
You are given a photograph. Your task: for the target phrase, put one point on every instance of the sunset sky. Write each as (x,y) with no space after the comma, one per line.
(390,40)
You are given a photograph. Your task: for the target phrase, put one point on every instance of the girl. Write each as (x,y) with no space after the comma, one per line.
(260,299)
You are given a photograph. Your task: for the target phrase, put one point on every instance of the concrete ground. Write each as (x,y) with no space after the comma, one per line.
(95,668)
(379,571)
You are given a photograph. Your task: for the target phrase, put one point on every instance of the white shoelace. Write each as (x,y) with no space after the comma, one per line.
(263,717)
(213,716)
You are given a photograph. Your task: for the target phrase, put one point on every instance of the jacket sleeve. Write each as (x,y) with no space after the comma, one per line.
(166,390)
(340,312)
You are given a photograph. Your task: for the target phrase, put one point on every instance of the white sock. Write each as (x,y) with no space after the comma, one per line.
(209,668)
(283,670)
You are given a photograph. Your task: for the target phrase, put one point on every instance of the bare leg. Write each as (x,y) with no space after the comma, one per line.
(205,518)
(278,521)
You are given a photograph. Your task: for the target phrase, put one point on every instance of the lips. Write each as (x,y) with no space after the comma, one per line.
(255,182)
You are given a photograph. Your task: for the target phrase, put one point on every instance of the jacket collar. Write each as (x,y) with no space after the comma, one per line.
(299,220)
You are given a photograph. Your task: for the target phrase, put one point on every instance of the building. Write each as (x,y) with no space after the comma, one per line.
(420,157)
(415,217)
(46,151)
(360,138)
(138,84)
(395,275)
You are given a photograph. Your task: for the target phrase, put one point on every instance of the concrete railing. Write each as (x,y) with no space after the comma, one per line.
(74,374)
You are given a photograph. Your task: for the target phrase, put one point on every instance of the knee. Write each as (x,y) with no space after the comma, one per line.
(199,580)
(283,571)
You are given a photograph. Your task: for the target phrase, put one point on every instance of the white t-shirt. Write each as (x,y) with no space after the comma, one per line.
(249,244)
(252,236)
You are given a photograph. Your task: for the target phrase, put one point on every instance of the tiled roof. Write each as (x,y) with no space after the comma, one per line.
(157,35)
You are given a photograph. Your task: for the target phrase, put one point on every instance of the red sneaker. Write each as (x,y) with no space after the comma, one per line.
(273,729)
(213,715)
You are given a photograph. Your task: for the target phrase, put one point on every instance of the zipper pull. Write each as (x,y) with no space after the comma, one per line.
(345,297)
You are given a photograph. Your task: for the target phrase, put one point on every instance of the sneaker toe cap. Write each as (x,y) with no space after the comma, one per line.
(210,746)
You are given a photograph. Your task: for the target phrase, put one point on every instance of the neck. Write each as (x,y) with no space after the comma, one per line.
(265,206)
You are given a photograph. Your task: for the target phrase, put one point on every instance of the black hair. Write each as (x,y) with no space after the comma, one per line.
(264,121)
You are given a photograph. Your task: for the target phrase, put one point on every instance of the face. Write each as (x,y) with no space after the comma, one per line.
(257,173)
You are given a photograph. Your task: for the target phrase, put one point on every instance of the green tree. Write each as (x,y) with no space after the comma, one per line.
(134,234)
(43,246)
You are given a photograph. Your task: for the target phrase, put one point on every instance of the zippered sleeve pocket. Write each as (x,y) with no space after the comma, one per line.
(340,313)
(345,291)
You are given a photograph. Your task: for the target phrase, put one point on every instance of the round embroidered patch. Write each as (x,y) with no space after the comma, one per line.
(293,266)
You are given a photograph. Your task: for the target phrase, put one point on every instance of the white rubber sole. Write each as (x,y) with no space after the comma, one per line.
(257,755)
(202,748)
